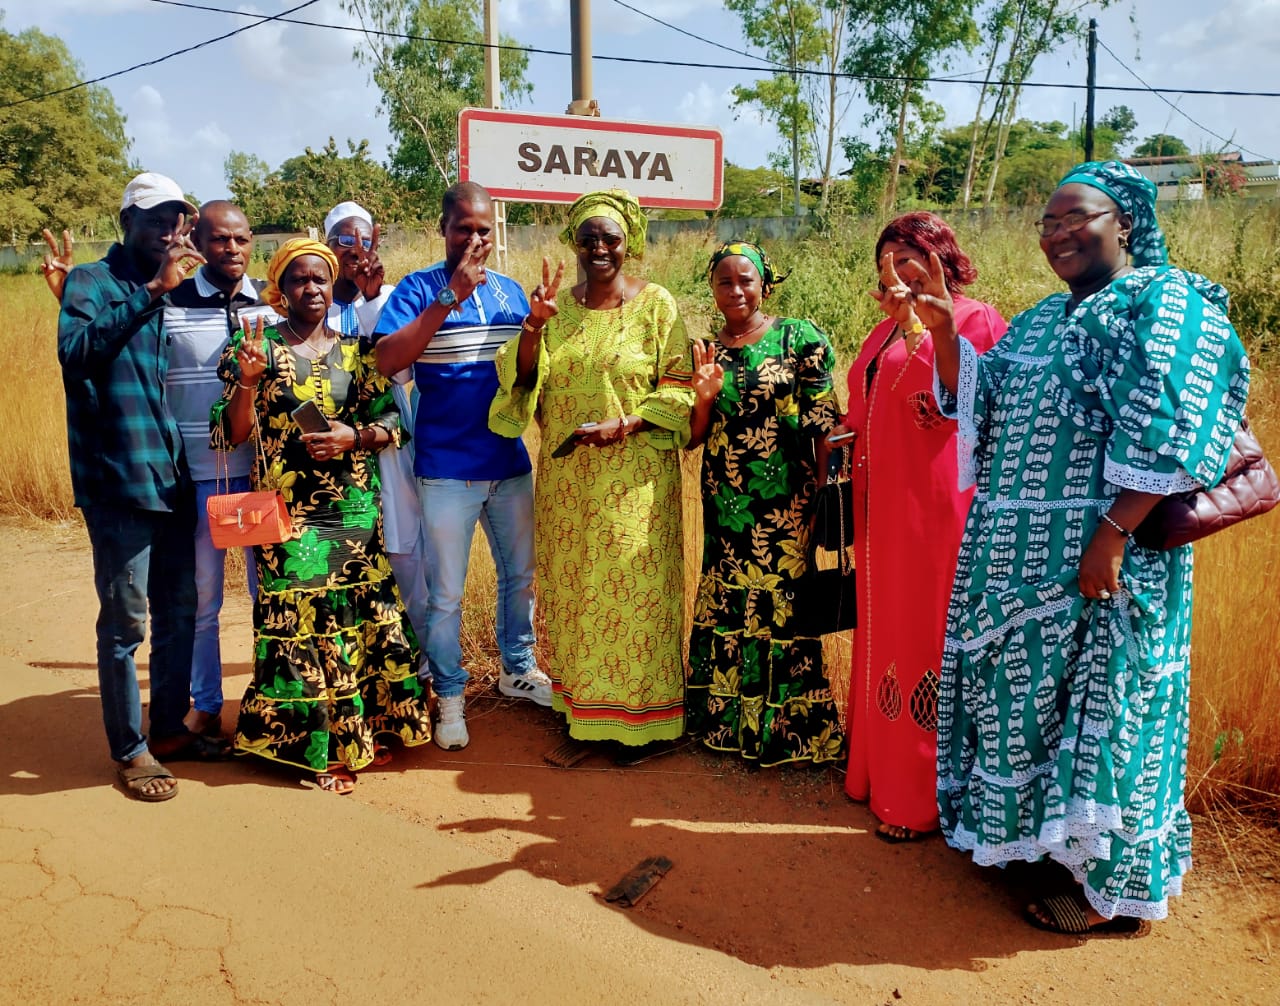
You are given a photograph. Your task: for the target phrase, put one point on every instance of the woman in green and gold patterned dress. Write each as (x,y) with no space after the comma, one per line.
(605,366)
(334,658)
(764,406)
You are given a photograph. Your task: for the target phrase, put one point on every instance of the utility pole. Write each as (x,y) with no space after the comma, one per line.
(493,99)
(580,43)
(1092,84)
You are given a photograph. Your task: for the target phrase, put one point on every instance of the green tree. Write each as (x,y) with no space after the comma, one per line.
(807,108)
(755,192)
(1016,33)
(426,80)
(1161,145)
(63,159)
(1122,123)
(298,195)
(890,47)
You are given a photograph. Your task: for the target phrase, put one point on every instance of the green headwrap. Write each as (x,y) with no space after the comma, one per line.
(618,205)
(1135,195)
(769,276)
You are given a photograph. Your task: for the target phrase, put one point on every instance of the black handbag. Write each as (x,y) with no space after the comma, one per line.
(825,598)
(833,504)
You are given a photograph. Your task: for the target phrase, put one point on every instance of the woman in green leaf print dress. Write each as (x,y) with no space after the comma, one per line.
(334,658)
(764,406)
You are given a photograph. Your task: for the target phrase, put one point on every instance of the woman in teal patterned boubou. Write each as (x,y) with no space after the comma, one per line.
(764,407)
(1062,715)
(334,657)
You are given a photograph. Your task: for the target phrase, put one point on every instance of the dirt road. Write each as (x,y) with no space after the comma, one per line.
(478,876)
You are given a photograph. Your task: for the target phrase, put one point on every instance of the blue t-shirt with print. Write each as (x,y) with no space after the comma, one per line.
(456,378)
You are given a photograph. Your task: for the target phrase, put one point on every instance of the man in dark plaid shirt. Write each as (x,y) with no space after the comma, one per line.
(130,477)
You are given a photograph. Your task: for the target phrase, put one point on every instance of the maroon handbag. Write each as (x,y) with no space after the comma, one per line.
(1248,488)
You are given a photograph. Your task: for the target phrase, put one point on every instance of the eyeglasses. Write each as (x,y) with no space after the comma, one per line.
(588,242)
(1069,222)
(349,241)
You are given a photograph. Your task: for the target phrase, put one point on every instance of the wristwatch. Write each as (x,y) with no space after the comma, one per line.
(447,298)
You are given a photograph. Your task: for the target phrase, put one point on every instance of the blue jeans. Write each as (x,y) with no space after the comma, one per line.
(206,660)
(450,510)
(143,557)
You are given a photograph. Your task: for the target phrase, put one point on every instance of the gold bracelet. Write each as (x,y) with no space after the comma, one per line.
(531,329)
(246,387)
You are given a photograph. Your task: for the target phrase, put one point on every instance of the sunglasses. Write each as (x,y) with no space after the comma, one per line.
(588,242)
(349,241)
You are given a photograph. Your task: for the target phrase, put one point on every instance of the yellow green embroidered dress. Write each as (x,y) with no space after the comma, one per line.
(607,520)
(334,657)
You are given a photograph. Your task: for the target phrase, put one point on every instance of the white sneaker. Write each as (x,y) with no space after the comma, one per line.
(451,724)
(533,685)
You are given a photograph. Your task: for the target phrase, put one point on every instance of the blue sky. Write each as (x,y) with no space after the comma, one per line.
(278,88)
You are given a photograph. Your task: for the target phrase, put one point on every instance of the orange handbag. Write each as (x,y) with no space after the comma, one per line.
(259,517)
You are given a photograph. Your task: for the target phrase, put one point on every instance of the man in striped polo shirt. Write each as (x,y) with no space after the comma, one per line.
(199,317)
(447,322)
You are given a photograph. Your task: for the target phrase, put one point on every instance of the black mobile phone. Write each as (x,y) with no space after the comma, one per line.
(570,442)
(309,418)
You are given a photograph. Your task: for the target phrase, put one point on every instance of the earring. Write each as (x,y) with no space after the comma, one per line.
(284,301)
(1124,241)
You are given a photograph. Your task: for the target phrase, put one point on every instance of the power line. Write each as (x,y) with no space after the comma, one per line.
(698,38)
(282,17)
(1174,106)
(262,19)
(689,64)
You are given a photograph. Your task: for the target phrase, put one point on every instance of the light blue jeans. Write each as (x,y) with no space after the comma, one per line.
(450,510)
(206,659)
(143,559)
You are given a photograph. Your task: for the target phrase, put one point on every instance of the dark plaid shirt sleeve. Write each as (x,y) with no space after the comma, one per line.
(124,447)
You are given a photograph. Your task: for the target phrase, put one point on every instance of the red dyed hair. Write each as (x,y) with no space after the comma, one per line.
(927,232)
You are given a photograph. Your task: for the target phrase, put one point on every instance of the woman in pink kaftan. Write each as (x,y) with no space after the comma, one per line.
(908,518)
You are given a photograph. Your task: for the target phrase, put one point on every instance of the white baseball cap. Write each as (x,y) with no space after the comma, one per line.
(150,189)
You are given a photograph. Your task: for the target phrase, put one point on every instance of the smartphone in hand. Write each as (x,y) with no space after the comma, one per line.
(571,441)
(841,438)
(309,418)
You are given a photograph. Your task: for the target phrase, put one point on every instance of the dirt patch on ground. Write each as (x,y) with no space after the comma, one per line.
(478,876)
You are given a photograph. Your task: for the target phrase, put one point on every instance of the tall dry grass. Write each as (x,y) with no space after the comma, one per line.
(1235,750)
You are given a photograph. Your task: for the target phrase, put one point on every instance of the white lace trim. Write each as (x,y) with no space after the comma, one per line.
(1162,671)
(1028,358)
(1021,618)
(966,428)
(1163,483)
(1025,504)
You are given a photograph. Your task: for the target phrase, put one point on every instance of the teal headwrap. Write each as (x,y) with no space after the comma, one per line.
(1136,196)
(769,276)
(617,205)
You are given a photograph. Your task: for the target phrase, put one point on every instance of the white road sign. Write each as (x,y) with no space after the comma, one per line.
(556,158)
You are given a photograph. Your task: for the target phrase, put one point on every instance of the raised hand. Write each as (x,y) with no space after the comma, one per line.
(57,264)
(708,375)
(180,257)
(470,272)
(542,302)
(894,296)
(370,272)
(933,304)
(252,354)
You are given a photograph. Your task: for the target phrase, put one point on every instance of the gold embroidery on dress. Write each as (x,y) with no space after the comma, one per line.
(889,695)
(924,702)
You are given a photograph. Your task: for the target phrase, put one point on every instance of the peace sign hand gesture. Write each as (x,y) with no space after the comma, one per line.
(370,272)
(56,266)
(933,304)
(894,296)
(252,355)
(708,375)
(180,257)
(542,302)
